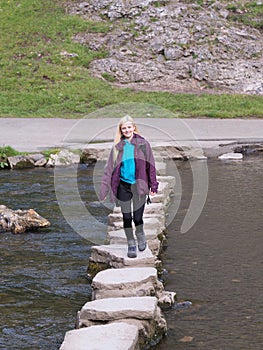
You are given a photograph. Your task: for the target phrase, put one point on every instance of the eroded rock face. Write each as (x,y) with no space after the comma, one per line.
(173,46)
(19,221)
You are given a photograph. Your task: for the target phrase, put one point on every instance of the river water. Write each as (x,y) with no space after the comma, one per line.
(217,264)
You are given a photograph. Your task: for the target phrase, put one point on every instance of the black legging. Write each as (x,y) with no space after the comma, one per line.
(127,195)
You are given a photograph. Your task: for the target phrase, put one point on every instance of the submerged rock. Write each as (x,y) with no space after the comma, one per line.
(19,221)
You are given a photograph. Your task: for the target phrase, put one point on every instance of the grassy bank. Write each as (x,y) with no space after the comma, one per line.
(45,74)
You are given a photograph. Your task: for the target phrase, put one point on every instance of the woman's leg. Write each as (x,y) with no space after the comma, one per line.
(124,196)
(138,210)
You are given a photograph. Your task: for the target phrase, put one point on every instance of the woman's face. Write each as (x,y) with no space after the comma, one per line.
(127,130)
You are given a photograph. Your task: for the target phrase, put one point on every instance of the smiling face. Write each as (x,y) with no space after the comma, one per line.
(127,130)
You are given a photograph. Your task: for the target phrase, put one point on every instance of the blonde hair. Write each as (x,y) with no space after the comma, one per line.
(123,120)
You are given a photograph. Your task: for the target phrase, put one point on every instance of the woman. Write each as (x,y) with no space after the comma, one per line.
(129,177)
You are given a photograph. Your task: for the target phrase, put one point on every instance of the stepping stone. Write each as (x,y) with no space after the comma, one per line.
(149,223)
(126,282)
(170,179)
(118,236)
(117,336)
(115,220)
(164,188)
(115,255)
(160,168)
(154,208)
(110,309)
(231,156)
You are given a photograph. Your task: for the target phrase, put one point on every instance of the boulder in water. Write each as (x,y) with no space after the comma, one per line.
(19,221)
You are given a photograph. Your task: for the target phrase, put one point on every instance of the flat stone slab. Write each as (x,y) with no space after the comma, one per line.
(164,188)
(153,208)
(118,236)
(231,156)
(126,282)
(160,168)
(170,179)
(116,217)
(149,223)
(110,309)
(115,255)
(117,277)
(117,336)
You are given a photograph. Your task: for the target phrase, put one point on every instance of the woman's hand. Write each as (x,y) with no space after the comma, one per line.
(152,193)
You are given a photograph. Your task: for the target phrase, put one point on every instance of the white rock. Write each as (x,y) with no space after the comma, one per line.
(169,179)
(120,336)
(142,308)
(126,282)
(63,158)
(115,220)
(115,255)
(116,223)
(154,208)
(233,156)
(160,168)
(120,237)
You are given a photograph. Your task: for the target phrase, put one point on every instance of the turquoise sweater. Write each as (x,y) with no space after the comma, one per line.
(127,173)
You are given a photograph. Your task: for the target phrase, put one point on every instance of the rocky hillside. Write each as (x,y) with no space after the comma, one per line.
(177,46)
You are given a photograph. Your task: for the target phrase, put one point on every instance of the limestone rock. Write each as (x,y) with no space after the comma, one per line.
(41,162)
(121,336)
(142,308)
(63,158)
(38,159)
(115,220)
(93,154)
(231,156)
(35,157)
(120,237)
(116,223)
(154,244)
(20,162)
(176,46)
(250,149)
(115,255)
(169,179)
(127,282)
(19,221)
(160,168)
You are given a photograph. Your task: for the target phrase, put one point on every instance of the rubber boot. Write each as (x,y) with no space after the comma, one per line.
(132,253)
(142,243)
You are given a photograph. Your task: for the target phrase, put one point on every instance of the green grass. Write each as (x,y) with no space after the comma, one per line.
(250,13)
(5,152)
(44,73)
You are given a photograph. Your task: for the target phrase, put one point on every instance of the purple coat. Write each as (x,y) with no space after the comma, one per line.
(145,171)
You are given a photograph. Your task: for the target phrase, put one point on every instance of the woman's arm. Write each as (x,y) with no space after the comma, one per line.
(151,170)
(106,178)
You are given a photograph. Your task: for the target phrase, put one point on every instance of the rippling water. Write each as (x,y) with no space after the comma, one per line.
(43,274)
(217,265)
